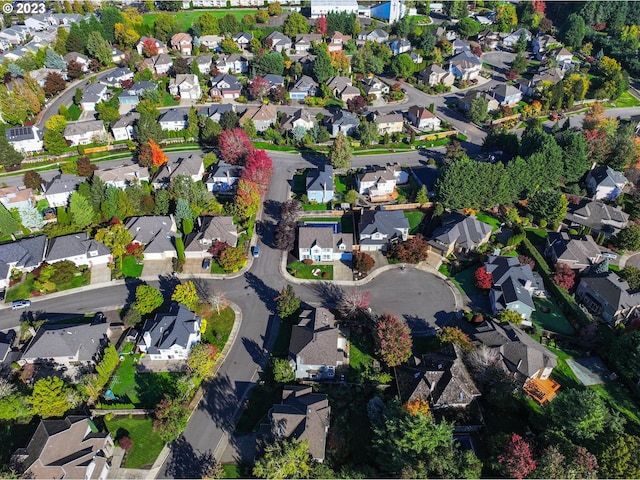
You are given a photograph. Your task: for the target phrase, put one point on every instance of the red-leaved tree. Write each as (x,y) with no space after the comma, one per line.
(483,278)
(125,443)
(512,74)
(353,302)
(321,25)
(234,145)
(356,104)
(564,276)
(539,6)
(517,460)
(74,69)
(259,87)
(158,157)
(149,47)
(258,168)
(394,339)
(598,145)
(413,250)
(54,84)
(217,248)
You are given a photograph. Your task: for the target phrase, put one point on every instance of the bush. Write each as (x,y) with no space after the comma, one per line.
(325,274)
(543,223)
(307,261)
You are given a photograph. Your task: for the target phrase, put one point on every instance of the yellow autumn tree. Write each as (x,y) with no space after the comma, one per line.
(418,406)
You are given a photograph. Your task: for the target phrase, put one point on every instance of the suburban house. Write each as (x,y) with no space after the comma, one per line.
(173,119)
(92,94)
(302,415)
(278,41)
(342,121)
(204,63)
(542,43)
(304,87)
(322,244)
(215,112)
(182,42)
(466,66)
(460,233)
(598,216)
(156,233)
(117,77)
(399,45)
(378,228)
(303,42)
(441,378)
(423,119)
(225,86)
(117,56)
(170,336)
(506,95)
(263,117)
(7,352)
(604,183)
(578,251)
(609,296)
(416,57)
(139,88)
(78,248)
(162,48)
(186,85)
(68,448)
(389,122)
(223,177)
(460,46)
(23,255)
(561,58)
(380,181)
(123,128)
(488,39)
(14,197)
(465,102)
(374,86)
(243,39)
(211,42)
(79,58)
(60,188)
(511,40)
(207,231)
(513,285)
(160,64)
(25,139)
(67,344)
(435,74)
(274,80)
(342,88)
(300,118)
(378,35)
(83,133)
(337,41)
(123,176)
(191,166)
(234,63)
(317,345)
(320,184)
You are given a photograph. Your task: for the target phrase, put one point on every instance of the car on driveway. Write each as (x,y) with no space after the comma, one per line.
(18,304)
(206,264)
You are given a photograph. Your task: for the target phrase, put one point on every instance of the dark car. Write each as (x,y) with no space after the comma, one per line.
(99,318)
(259,228)
(206,264)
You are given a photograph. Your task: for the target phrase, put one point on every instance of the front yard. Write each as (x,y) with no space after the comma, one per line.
(311,272)
(24,289)
(131,268)
(218,326)
(146,444)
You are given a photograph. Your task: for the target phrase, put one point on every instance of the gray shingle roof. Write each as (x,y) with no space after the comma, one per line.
(130,118)
(315,338)
(174,115)
(223,169)
(173,328)
(81,128)
(577,250)
(25,253)
(61,248)
(212,110)
(189,166)
(65,182)
(320,179)
(212,228)
(463,231)
(232,81)
(612,289)
(384,221)
(596,215)
(607,176)
(343,117)
(509,278)
(52,341)
(154,232)
(310,236)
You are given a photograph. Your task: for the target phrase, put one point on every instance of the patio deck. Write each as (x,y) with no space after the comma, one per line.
(542,391)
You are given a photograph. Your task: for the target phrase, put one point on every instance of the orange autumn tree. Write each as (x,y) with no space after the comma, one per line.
(158,157)
(418,406)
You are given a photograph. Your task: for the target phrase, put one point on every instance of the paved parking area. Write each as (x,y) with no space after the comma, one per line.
(157,267)
(100,274)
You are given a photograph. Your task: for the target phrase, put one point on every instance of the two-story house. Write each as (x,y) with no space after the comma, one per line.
(160,64)
(215,111)
(23,255)
(171,335)
(263,117)
(304,87)
(342,121)
(374,87)
(60,188)
(242,39)
(225,86)
(173,119)
(379,181)
(598,216)
(578,251)
(191,166)
(92,94)
(465,66)
(182,42)
(209,230)
(609,296)
(123,128)
(204,63)
(337,41)
(160,46)
(14,197)
(461,233)
(156,234)
(83,133)
(300,118)
(506,95)
(320,184)
(303,42)
(604,183)
(123,176)
(435,74)
(322,244)
(423,119)
(25,139)
(389,123)
(278,42)
(78,248)
(234,63)
(223,177)
(186,85)
(379,228)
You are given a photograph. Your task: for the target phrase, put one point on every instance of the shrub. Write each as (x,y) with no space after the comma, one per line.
(325,274)
(307,261)
(543,223)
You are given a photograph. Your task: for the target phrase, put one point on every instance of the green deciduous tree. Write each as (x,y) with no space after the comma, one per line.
(171,417)
(468,27)
(116,237)
(478,110)
(202,358)
(186,294)
(81,210)
(620,457)
(287,303)
(295,24)
(49,398)
(340,152)
(402,65)
(285,459)
(283,371)
(148,299)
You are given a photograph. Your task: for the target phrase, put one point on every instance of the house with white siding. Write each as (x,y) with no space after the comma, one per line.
(83,133)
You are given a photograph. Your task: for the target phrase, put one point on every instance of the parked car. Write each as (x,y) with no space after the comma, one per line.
(255,251)
(206,264)
(609,255)
(99,318)
(18,304)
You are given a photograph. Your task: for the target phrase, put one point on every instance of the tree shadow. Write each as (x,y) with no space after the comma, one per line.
(131,284)
(151,387)
(419,326)
(266,294)
(167,283)
(258,354)
(329,293)
(271,208)
(186,462)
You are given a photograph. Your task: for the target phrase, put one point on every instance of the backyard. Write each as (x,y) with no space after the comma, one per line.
(361,350)
(415,218)
(146,444)
(300,270)
(548,315)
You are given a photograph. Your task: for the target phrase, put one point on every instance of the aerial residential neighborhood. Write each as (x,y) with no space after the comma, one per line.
(320,239)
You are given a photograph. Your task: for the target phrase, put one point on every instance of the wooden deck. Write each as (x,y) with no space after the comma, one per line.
(541,391)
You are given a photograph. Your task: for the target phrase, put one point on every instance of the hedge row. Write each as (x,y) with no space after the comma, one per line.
(567,303)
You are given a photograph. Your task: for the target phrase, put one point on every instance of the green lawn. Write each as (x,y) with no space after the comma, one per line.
(8,224)
(21,291)
(537,236)
(187,18)
(464,280)
(300,270)
(141,389)
(232,471)
(625,100)
(414,221)
(74,112)
(361,350)
(219,327)
(614,268)
(554,320)
(620,399)
(216,268)
(314,207)
(131,268)
(407,190)
(494,222)
(146,444)
(169,101)
(340,183)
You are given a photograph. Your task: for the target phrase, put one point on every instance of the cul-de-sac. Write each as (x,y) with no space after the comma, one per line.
(319,239)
